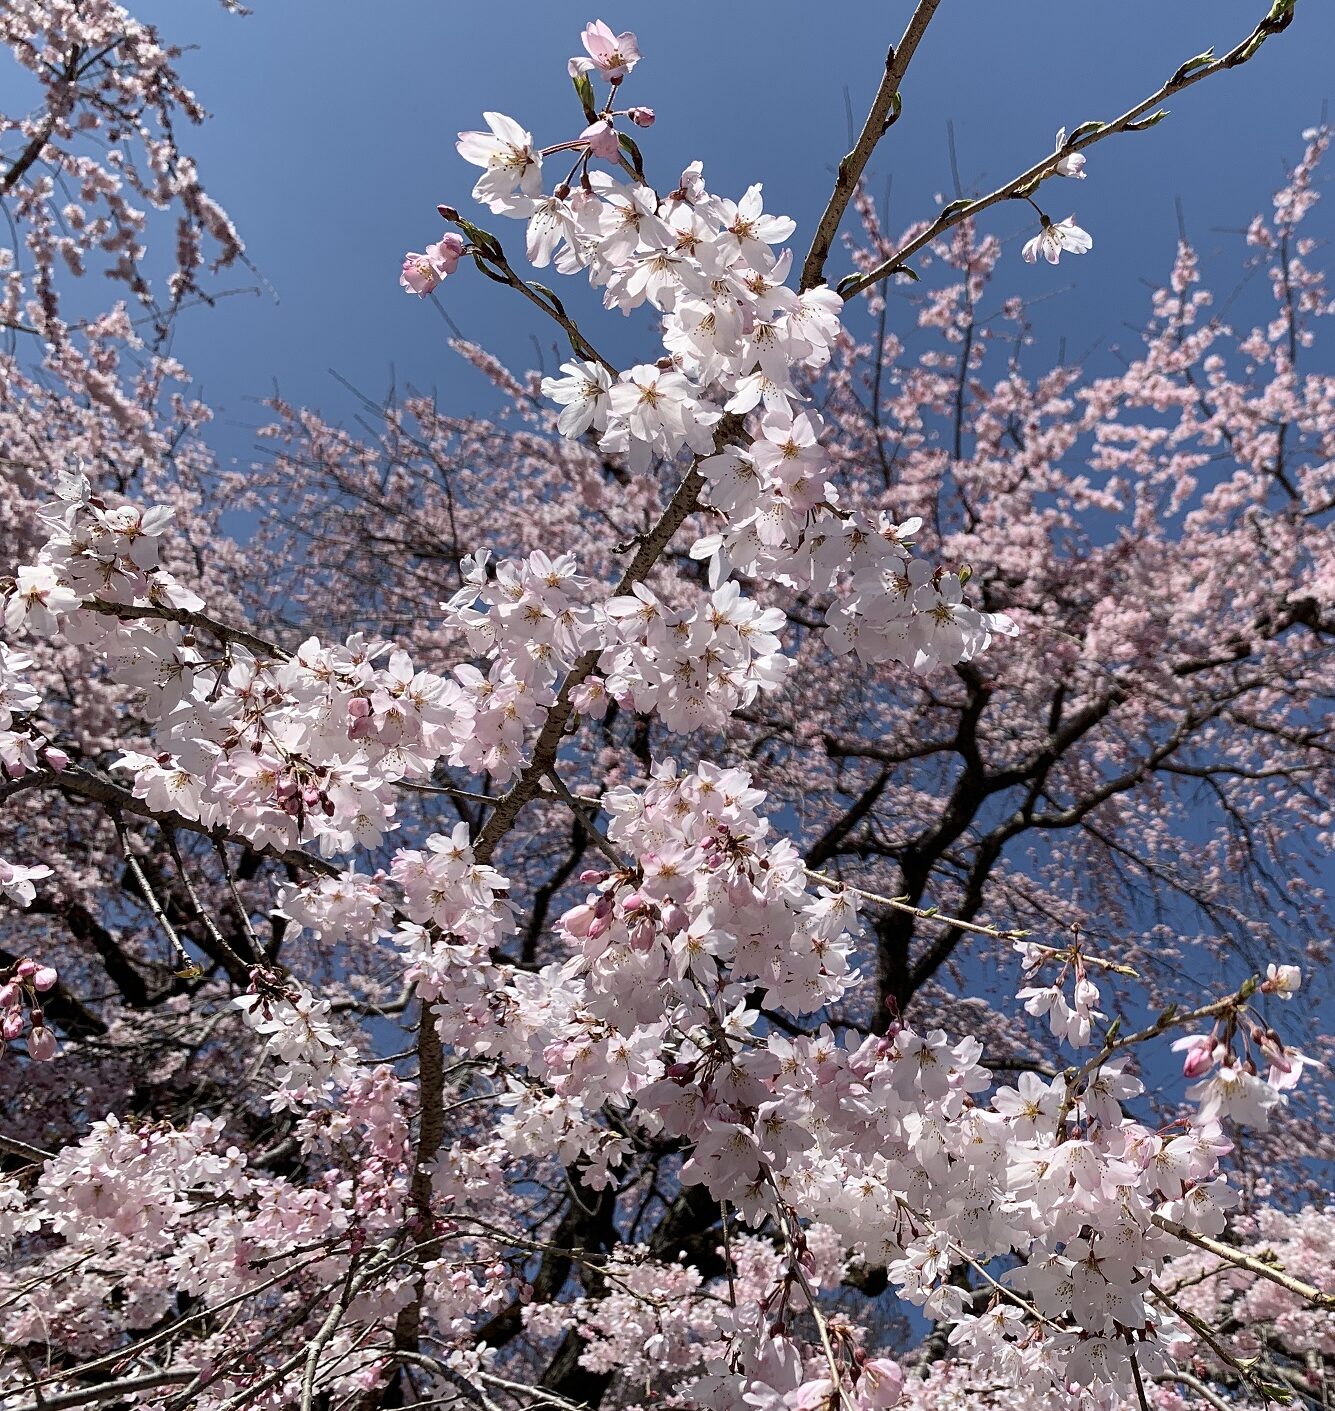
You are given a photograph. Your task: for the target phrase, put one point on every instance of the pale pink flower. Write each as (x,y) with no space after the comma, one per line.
(421,273)
(509,157)
(16,882)
(612,55)
(1282,980)
(1073,164)
(1056,236)
(881,1384)
(601,139)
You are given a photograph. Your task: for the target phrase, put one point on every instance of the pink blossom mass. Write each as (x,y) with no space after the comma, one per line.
(783,870)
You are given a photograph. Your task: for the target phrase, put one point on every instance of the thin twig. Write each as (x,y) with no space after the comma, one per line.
(1133,120)
(588,811)
(884,111)
(189,968)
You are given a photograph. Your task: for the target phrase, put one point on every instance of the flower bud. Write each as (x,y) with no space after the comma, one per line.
(1199,1059)
(41,1044)
(641,117)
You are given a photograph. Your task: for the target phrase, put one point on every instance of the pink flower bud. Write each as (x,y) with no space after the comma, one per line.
(56,759)
(601,140)
(641,117)
(578,920)
(11,1026)
(41,1044)
(642,937)
(9,994)
(44,979)
(592,875)
(633,903)
(446,252)
(26,969)
(1199,1059)
(675,920)
(358,707)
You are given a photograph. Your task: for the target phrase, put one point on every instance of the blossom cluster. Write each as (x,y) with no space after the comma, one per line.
(28,981)
(903,1147)
(689,1032)
(735,339)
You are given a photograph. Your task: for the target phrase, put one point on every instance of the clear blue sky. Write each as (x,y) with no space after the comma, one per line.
(334,122)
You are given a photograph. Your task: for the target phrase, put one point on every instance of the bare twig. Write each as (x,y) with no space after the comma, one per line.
(588,811)
(1135,119)
(884,111)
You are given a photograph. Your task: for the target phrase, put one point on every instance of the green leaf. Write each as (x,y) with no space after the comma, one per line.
(1145,124)
(965,573)
(1199,62)
(633,152)
(910,274)
(542,289)
(484,240)
(1083,130)
(488,271)
(954,208)
(584,91)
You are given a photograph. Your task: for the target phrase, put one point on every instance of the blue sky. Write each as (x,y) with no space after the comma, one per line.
(332,140)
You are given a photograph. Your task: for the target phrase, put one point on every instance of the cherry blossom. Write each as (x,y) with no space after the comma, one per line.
(614,940)
(1056,236)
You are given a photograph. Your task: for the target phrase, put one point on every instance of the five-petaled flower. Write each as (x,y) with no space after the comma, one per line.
(1056,236)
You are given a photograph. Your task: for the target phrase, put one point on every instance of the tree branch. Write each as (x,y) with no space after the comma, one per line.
(1133,120)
